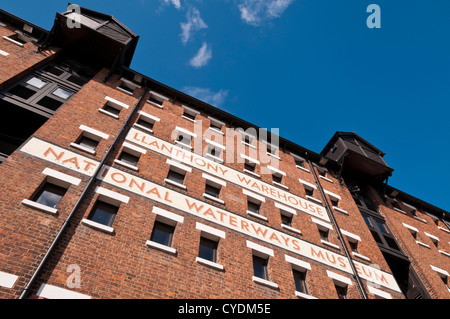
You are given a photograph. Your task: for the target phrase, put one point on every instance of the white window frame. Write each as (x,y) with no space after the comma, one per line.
(217,123)
(168,218)
(129,84)
(262,252)
(178,168)
(215,182)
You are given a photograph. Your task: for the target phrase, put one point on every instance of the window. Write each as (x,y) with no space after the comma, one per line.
(189,114)
(209,244)
(253,206)
(51,191)
(260,267)
(323,234)
(277,176)
(87,142)
(215,124)
(49,195)
(103,213)
(341,291)
(341,284)
(250,165)
(157,99)
(19,38)
(112,107)
(300,281)
(286,219)
(175,176)
(163,230)
(309,188)
(443,274)
(300,162)
(129,156)
(89,139)
(183,137)
(127,86)
(208,249)
(146,122)
(162,233)
(380,232)
(177,173)
(214,151)
(212,190)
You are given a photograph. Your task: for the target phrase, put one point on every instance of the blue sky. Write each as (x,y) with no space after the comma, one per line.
(307,67)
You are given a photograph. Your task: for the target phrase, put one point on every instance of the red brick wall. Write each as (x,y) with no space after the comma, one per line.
(120,265)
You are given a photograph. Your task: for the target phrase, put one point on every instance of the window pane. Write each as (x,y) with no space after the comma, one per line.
(50,103)
(260,267)
(162,233)
(253,207)
(50,195)
(176,177)
(129,158)
(286,220)
(36,82)
(208,249)
(21,91)
(103,213)
(88,142)
(211,190)
(62,93)
(145,124)
(299,279)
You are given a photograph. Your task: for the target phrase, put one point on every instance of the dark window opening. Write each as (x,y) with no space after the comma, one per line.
(208,249)
(300,281)
(341,291)
(103,213)
(260,267)
(129,158)
(162,233)
(175,176)
(49,195)
(253,207)
(212,190)
(50,103)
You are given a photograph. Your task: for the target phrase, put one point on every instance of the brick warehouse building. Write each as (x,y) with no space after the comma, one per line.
(118,186)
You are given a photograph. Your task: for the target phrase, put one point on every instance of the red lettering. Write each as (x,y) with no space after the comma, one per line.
(259,231)
(193,205)
(50,150)
(72,160)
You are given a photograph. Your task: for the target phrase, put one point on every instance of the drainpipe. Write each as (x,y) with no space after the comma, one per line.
(27,289)
(341,239)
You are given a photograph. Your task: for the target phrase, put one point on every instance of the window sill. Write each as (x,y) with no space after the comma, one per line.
(265,282)
(13,41)
(214,158)
(422,244)
(292,229)
(420,219)
(168,181)
(43,208)
(340,210)
(274,156)
(251,173)
(280,185)
(209,263)
(216,130)
(443,229)
(98,226)
(325,178)
(250,145)
(109,113)
(119,162)
(444,253)
(187,118)
(399,210)
(302,295)
(139,126)
(4,53)
(124,91)
(155,104)
(213,198)
(257,215)
(82,148)
(184,146)
(302,168)
(327,243)
(360,256)
(314,199)
(161,247)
